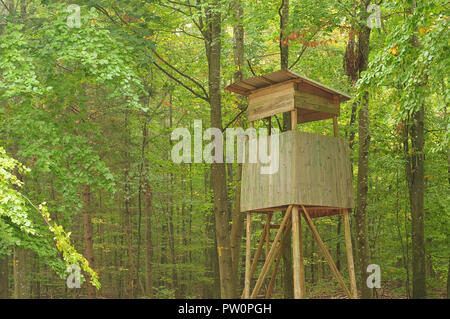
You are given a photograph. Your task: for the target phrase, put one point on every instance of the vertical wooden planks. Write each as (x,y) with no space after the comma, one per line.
(313,170)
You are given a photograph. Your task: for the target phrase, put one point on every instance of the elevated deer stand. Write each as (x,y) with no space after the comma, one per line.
(313,180)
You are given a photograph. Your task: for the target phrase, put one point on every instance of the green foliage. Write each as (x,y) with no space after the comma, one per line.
(13,211)
(88,107)
(15,220)
(69,253)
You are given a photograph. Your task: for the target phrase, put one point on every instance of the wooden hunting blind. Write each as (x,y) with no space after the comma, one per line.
(313,179)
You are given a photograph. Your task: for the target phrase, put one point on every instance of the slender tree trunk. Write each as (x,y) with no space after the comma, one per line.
(236,232)
(19,271)
(4,279)
(363,157)
(218,171)
(148,220)
(448,269)
(128,235)
(209,290)
(148,243)
(173,257)
(400,237)
(127,212)
(415,172)
(283,12)
(237,216)
(38,282)
(448,280)
(171,211)
(88,235)
(284,47)
(415,177)
(362,189)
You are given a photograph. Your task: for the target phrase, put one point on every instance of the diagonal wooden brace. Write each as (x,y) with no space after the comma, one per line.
(270,258)
(325,252)
(249,271)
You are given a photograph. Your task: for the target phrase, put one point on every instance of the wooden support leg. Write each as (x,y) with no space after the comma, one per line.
(335,126)
(325,252)
(260,244)
(268,240)
(270,258)
(297,255)
(248,257)
(294,120)
(348,247)
(259,249)
(302,268)
(277,261)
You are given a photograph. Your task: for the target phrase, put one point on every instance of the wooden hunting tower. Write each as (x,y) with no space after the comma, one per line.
(314,176)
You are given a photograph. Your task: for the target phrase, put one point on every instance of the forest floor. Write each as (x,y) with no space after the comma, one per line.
(389,290)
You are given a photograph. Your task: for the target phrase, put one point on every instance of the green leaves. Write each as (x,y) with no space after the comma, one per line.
(69,253)
(12,205)
(15,221)
(412,59)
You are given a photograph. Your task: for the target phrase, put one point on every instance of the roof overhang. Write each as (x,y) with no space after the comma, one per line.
(247,86)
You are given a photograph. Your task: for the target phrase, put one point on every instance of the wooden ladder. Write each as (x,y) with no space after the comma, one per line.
(273,254)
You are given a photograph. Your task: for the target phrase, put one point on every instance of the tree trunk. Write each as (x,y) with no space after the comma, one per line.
(236,232)
(4,281)
(283,12)
(148,243)
(212,258)
(127,194)
(448,280)
(448,269)
(218,171)
(237,217)
(415,178)
(88,242)
(363,157)
(148,219)
(362,188)
(19,271)
(284,47)
(284,63)
(415,172)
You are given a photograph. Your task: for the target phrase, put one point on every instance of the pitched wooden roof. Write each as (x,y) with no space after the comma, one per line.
(247,86)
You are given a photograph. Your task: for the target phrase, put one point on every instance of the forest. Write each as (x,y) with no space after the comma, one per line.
(92,204)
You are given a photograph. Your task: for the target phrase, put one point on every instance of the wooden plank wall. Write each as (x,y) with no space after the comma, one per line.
(313,105)
(313,170)
(272,100)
